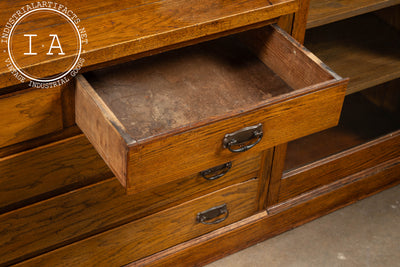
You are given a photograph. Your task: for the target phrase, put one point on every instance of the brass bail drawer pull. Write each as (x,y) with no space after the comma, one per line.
(241,138)
(205,217)
(220,171)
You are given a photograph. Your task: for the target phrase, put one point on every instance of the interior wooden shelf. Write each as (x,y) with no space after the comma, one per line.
(363,48)
(361,121)
(322,12)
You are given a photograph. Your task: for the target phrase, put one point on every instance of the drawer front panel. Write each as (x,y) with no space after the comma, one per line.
(281,123)
(135,117)
(49,170)
(28,114)
(101,206)
(156,232)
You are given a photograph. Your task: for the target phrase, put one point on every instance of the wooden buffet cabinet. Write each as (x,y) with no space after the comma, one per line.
(197,128)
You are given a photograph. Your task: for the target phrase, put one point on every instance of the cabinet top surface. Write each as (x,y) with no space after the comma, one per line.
(119,29)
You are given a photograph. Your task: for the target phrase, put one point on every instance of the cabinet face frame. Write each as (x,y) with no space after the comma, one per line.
(285,185)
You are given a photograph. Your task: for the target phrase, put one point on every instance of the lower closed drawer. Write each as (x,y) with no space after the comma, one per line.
(86,211)
(49,170)
(157,232)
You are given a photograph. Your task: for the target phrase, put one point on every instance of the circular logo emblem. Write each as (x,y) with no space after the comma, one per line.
(40,33)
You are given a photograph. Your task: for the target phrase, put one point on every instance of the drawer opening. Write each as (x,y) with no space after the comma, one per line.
(366,116)
(368,134)
(364,48)
(165,116)
(157,95)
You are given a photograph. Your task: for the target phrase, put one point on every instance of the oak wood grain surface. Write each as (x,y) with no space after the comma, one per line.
(362,48)
(276,175)
(101,128)
(282,122)
(49,170)
(265,177)
(157,95)
(261,226)
(29,114)
(111,109)
(117,30)
(40,141)
(156,232)
(327,11)
(298,30)
(89,210)
(390,167)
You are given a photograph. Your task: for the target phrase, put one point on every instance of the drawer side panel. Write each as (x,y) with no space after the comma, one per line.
(98,128)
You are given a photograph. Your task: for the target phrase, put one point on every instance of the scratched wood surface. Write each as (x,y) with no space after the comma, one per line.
(49,170)
(28,114)
(153,233)
(156,95)
(279,219)
(120,29)
(86,211)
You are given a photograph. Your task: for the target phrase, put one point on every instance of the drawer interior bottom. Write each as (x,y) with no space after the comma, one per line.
(155,95)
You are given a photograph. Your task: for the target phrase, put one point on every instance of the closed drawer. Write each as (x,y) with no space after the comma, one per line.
(146,236)
(66,218)
(49,170)
(178,113)
(28,114)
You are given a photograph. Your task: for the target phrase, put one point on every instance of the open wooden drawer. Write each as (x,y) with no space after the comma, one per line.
(161,118)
